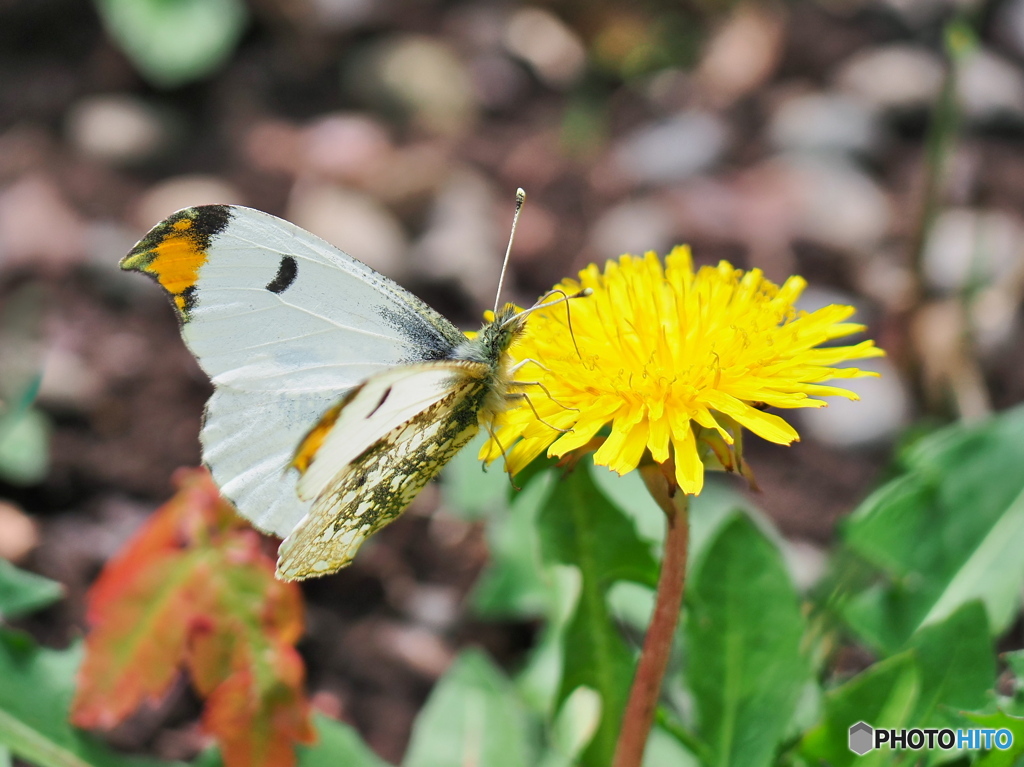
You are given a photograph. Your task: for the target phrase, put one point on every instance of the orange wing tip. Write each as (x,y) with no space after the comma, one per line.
(174,250)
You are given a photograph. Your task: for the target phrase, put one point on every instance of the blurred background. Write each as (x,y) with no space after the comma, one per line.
(875,147)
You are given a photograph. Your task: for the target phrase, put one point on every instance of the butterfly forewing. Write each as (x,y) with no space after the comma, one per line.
(284,324)
(371,483)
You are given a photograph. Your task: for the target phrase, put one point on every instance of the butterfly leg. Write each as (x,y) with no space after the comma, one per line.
(516,396)
(542,386)
(504,456)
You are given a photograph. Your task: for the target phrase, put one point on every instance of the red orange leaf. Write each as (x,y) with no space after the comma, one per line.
(195,589)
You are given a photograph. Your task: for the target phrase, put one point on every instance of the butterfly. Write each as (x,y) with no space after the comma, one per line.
(337,394)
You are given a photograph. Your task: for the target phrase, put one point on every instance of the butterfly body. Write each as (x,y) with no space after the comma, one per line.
(337,394)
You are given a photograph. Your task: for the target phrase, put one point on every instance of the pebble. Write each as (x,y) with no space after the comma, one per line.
(38,227)
(345,147)
(633,227)
(436,607)
(179,192)
(896,76)
(824,122)
(68,382)
(672,150)
(553,51)
(839,205)
(990,87)
(422,76)
(463,241)
(498,82)
(19,533)
(117,128)
(968,247)
(420,649)
(742,54)
(879,417)
(352,221)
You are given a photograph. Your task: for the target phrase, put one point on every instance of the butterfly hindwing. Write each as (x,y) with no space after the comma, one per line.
(283,323)
(382,446)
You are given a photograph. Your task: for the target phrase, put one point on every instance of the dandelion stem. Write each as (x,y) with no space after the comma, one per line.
(643,697)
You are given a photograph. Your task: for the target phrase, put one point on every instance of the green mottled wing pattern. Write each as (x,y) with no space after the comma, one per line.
(370,491)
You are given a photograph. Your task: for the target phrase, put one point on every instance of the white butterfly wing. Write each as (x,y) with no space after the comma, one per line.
(283,323)
(370,457)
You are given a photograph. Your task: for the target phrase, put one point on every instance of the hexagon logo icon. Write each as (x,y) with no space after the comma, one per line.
(861,738)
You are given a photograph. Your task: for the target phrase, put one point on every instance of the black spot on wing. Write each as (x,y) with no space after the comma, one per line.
(286,274)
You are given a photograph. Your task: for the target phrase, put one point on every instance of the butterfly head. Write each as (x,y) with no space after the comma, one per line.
(494,338)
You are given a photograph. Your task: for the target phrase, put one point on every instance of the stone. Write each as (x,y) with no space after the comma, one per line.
(19,533)
(552,50)
(839,205)
(967,248)
(352,221)
(897,76)
(179,192)
(878,418)
(742,54)
(633,227)
(672,150)
(420,75)
(463,241)
(345,147)
(824,122)
(990,87)
(117,128)
(38,227)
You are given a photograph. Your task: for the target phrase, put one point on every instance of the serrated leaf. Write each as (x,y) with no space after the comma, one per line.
(579,526)
(884,695)
(743,629)
(999,721)
(175,41)
(961,502)
(957,667)
(194,589)
(473,717)
(22,592)
(35,695)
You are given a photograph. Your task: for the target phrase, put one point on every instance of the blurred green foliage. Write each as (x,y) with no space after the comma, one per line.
(928,575)
(173,42)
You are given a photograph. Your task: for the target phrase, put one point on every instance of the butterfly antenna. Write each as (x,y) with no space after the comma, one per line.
(520,199)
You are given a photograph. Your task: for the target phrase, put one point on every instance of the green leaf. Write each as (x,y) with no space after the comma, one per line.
(743,629)
(515,583)
(337,744)
(175,41)
(472,490)
(883,696)
(961,505)
(22,592)
(24,446)
(999,721)
(580,527)
(34,700)
(957,667)
(473,716)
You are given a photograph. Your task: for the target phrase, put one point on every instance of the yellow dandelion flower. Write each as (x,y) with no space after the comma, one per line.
(673,361)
